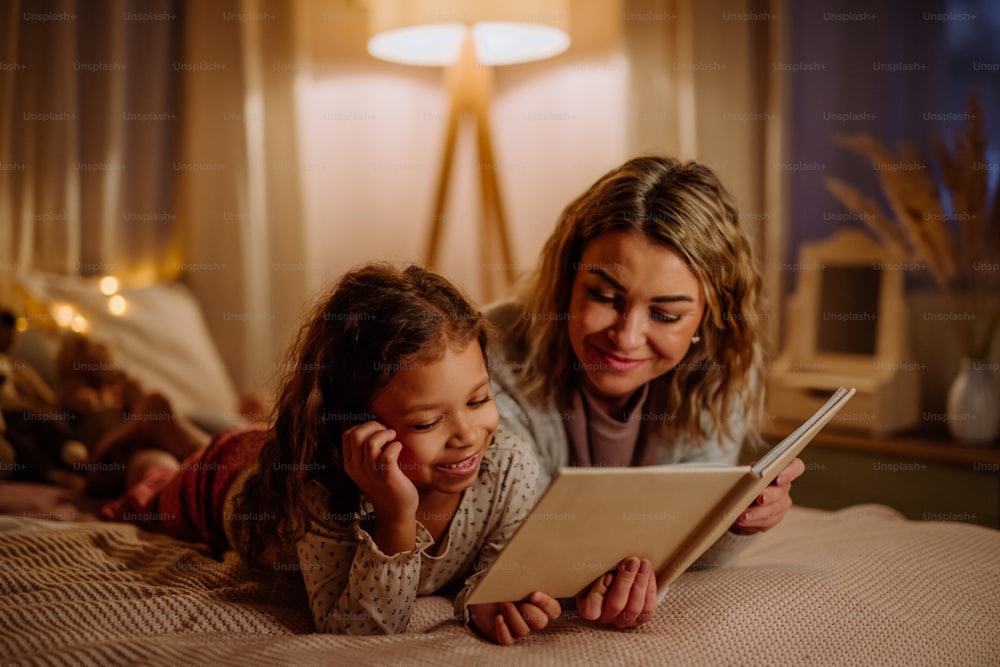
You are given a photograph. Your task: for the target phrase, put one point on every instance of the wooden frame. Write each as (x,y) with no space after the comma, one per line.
(869,348)
(470,87)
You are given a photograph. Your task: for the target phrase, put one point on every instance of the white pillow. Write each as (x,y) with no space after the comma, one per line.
(161,340)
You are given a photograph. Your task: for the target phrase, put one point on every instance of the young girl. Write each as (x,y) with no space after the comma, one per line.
(384,475)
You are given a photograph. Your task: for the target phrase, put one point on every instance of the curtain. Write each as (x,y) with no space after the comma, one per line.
(155,141)
(703,86)
(239,191)
(87,124)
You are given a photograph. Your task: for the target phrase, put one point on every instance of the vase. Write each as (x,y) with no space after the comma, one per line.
(974,402)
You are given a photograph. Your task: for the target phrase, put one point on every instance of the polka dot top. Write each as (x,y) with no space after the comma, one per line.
(356,589)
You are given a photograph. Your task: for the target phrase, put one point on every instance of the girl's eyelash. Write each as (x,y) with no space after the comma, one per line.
(428,426)
(425,427)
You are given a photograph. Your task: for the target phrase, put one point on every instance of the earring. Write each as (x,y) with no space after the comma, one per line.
(695,338)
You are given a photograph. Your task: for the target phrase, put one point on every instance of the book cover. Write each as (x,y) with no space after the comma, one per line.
(589,519)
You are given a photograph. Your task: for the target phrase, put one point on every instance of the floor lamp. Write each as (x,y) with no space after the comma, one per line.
(469,38)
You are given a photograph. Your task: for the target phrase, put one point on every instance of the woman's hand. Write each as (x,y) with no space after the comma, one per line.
(506,622)
(371,459)
(770,506)
(624,598)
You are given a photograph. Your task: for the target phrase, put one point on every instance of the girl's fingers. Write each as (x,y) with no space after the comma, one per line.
(354,437)
(536,618)
(390,453)
(501,633)
(547,604)
(362,447)
(515,622)
(372,448)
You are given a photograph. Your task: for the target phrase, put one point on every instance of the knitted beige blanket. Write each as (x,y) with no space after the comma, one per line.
(857,587)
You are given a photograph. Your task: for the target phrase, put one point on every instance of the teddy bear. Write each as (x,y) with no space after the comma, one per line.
(93,387)
(36,443)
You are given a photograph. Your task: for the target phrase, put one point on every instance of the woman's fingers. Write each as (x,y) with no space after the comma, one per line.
(652,599)
(791,472)
(624,598)
(590,605)
(626,601)
(621,589)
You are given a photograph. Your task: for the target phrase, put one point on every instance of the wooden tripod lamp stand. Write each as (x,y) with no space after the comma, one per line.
(469,38)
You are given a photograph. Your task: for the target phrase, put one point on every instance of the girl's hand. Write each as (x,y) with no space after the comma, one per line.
(770,506)
(624,598)
(371,459)
(506,622)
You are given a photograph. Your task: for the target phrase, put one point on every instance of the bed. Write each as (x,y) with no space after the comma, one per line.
(858,586)
(861,586)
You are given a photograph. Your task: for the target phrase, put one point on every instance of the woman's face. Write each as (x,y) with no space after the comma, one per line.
(633,309)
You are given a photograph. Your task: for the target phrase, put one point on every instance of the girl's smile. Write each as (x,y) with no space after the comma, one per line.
(461,468)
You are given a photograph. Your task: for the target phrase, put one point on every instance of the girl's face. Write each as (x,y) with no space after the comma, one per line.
(444,416)
(633,309)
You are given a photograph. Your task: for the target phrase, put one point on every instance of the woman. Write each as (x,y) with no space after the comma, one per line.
(638,341)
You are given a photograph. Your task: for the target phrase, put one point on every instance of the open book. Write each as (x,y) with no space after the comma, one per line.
(590,519)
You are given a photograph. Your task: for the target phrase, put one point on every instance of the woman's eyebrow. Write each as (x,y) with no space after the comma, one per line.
(603,275)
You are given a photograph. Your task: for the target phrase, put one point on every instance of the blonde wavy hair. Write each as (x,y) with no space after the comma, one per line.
(682,206)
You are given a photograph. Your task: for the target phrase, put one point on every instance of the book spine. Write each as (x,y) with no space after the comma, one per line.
(711,528)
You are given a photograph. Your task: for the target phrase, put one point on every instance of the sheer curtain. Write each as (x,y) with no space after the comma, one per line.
(156,141)
(87,125)
(705,86)
(239,192)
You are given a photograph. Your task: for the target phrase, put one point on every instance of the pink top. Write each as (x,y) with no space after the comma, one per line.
(599,439)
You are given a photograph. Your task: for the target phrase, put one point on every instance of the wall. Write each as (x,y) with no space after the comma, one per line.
(372,135)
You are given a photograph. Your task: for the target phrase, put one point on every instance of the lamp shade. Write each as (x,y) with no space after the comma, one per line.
(430,32)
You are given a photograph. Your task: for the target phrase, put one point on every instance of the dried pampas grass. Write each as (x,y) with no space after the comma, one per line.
(964,262)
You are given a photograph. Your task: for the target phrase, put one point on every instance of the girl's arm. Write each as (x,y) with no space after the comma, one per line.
(516,482)
(353,586)
(365,581)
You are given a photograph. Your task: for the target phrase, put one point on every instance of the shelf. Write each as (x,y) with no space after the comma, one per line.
(924,475)
(932,445)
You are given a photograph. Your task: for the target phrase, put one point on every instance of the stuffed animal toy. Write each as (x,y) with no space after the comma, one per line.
(93,387)
(35,439)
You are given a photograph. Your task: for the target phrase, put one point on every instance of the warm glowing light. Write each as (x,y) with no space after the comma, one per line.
(419,45)
(63,314)
(79,324)
(431,32)
(21,324)
(509,43)
(497,43)
(117,305)
(109,285)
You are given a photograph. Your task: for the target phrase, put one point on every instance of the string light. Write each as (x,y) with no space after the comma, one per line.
(117,305)
(109,285)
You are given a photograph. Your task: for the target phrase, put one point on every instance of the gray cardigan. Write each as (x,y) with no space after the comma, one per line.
(544,427)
